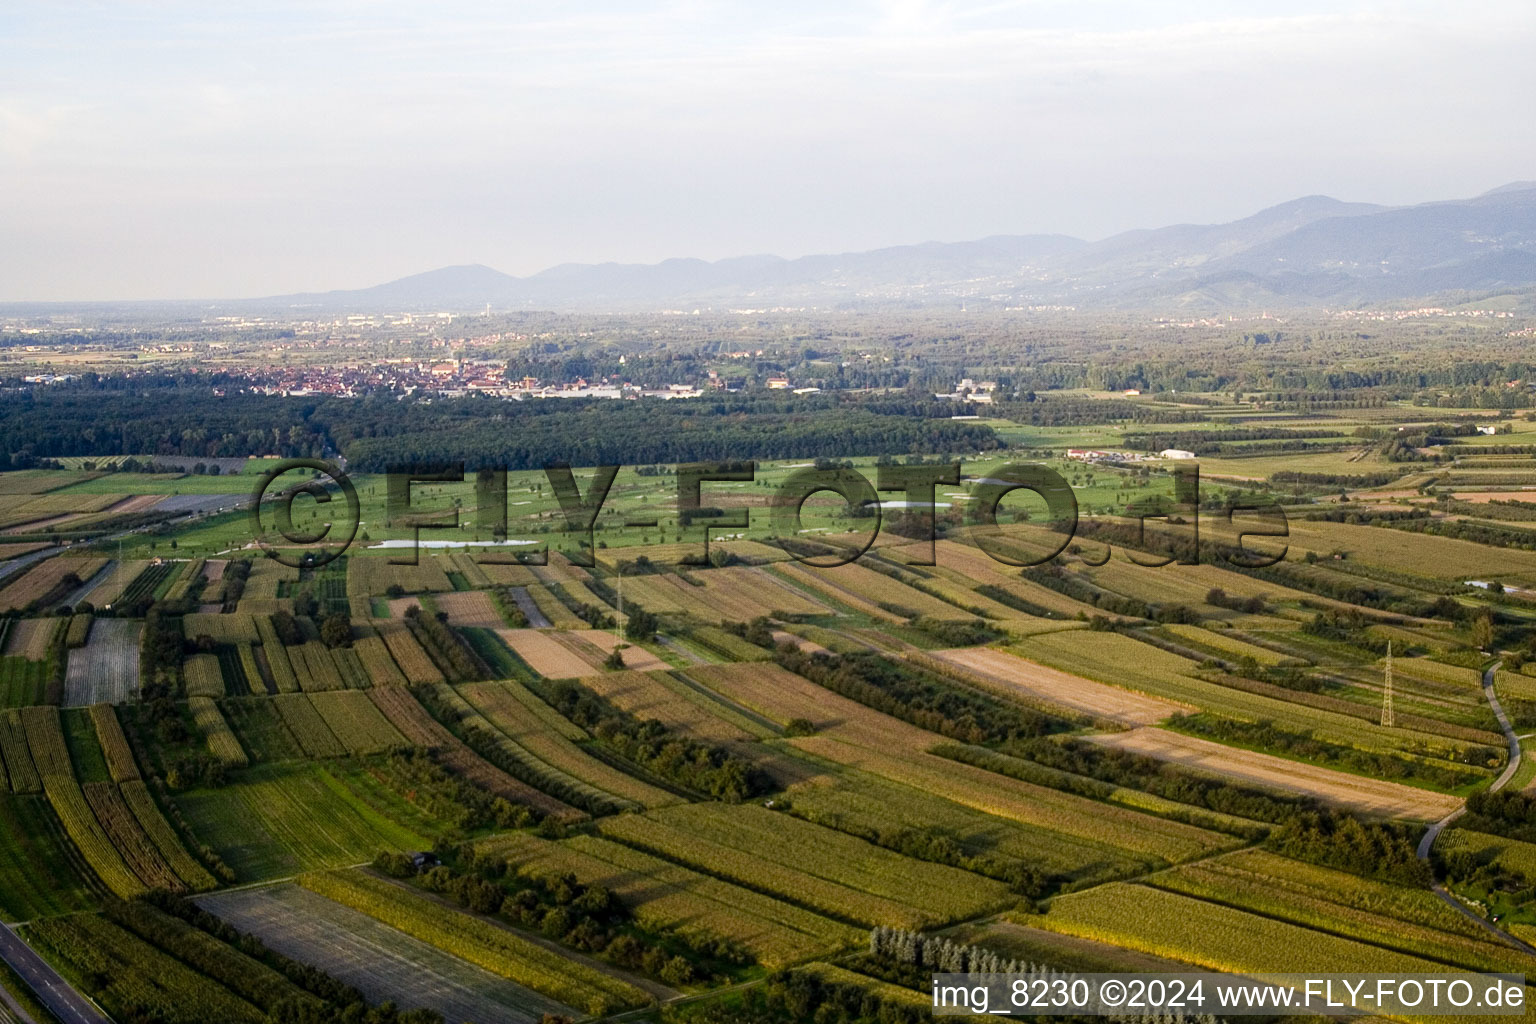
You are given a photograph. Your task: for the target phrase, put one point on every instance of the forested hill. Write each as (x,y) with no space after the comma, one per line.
(1308,251)
(375,433)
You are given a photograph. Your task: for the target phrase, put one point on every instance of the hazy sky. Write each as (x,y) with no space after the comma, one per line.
(158,150)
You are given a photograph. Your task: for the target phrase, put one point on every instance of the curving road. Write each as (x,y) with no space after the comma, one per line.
(1428,842)
(51,990)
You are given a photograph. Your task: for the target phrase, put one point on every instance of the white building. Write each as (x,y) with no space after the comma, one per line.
(1175,453)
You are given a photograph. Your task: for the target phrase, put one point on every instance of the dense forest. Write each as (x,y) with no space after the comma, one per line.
(183,418)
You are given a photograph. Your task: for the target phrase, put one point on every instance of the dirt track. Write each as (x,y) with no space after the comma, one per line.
(1369,796)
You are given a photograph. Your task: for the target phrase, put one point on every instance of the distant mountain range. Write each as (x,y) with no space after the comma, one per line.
(1313,251)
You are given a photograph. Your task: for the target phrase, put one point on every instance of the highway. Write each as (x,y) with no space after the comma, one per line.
(51,990)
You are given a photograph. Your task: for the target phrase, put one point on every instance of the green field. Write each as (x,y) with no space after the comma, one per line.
(40,872)
(282,820)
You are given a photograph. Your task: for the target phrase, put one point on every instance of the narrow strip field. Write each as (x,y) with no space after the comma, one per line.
(381,962)
(1040,682)
(406,714)
(667,896)
(635,657)
(829,871)
(546,656)
(1369,796)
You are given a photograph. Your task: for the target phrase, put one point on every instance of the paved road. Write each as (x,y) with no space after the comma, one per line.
(1428,842)
(51,990)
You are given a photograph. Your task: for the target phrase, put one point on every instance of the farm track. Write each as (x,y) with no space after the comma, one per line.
(1428,842)
(47,984)
(536,618)
(84,590)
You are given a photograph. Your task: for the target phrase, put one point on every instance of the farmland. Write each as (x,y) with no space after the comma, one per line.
(107,667)
(1214,936)
(1056,687)
(546,655)
(477,941)
(1081,764)
(382,962)
(1369,796)
(288,819)
(668,896)
(813,866)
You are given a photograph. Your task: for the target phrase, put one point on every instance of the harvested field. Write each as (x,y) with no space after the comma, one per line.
(636,658)
(808,646)
(398,606)
(470,609)
(47,581)
(1053,686)
(676,705)
(479,940)
(31,638)
(546,656)
(106,669)
(39,481)
(1369,796)
(379,961)
(851,734)
(1121,660)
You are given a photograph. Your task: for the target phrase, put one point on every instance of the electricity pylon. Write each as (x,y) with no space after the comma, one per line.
(1388,719)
